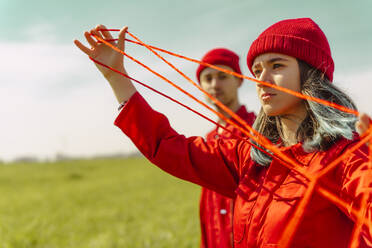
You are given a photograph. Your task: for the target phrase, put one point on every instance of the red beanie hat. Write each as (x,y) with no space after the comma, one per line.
(300,38)
(220,56)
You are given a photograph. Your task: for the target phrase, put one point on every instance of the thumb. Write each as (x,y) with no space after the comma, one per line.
(121,39)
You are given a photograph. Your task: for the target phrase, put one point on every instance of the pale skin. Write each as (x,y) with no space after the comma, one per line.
(123,88)
(224,87)
(283,70)
(270,71)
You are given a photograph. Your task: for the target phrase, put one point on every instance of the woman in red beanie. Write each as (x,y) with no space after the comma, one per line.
(293,54)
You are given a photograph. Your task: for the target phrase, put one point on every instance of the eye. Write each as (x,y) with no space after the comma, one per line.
(257,72)
(222,76)
(275,66)
(207,78)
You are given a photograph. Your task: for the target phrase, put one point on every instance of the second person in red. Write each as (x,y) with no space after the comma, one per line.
(216,210)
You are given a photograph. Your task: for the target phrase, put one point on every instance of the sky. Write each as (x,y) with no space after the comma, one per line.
(54,101)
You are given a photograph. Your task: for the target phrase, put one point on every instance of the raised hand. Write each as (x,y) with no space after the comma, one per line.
(363,123)
(102,52)
(122,87)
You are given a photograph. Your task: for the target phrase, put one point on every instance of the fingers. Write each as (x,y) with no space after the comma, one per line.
(91,42)
(83,48)
(96,33)
(362,124)
(359,128)
(106,34)
(99,32)
(121,39)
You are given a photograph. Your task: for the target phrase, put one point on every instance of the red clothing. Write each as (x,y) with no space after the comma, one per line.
(265,196)
(216,210)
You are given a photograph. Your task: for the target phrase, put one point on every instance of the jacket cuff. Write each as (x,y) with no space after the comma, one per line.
(135,99)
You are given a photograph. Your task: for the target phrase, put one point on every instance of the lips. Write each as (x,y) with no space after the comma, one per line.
(216,94)
(267,96)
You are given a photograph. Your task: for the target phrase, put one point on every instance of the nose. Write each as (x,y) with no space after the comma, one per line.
(265,76)
(215,83)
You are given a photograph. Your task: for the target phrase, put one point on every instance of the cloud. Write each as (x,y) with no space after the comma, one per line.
(43,32)
(39,102)
(53,100)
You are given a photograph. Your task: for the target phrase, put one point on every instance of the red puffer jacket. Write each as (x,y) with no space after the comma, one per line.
(216,210)
(266,197)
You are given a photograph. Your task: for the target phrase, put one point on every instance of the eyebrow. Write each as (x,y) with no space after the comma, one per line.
(277,59)
(212,72)
(273,60)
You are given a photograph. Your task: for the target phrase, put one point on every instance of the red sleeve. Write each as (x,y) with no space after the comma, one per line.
(213,165)
(357,179)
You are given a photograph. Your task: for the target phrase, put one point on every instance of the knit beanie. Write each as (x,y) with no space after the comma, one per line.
(220,56)
(300,38)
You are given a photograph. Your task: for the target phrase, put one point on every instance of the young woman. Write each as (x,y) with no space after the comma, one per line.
(293,54)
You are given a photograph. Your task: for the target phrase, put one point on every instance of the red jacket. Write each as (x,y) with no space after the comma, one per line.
(265,196)
(216,210)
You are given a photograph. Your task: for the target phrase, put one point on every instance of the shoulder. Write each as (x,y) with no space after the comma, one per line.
(354,147)
(352,155)
(211,135)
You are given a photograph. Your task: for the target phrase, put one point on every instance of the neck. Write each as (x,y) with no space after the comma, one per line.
(233,106)
(290,124)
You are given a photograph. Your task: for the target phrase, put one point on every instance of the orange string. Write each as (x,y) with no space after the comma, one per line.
(298,94)
(339,202)
(290,229)
(289,166)
(297,216)
(183,105)
(295,220)
(367,136)
(261,140)
(354,243)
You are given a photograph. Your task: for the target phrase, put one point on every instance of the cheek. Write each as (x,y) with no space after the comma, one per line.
(233,86)
(258,94)
(295,83)
(289,80)
(257,90)
(204,86)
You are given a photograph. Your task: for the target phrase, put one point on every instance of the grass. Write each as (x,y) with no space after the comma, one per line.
(96,203)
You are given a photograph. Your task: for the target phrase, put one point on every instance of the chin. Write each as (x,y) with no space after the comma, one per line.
(270,111)
(210,101)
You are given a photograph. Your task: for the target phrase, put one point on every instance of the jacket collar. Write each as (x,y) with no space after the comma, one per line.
(305,157)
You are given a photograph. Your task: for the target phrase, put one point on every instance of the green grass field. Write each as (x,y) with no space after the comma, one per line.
(96,203)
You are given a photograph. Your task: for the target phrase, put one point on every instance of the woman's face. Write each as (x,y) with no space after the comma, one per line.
(281,70)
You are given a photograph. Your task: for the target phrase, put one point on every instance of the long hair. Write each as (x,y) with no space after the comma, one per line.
(322,126)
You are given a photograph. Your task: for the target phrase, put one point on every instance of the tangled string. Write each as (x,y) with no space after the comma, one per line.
(311,179)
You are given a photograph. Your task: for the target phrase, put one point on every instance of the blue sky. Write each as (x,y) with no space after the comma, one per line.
(52,99)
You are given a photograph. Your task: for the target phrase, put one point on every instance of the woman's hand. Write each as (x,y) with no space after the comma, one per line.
(122,86)
(363,123)
(101,52)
